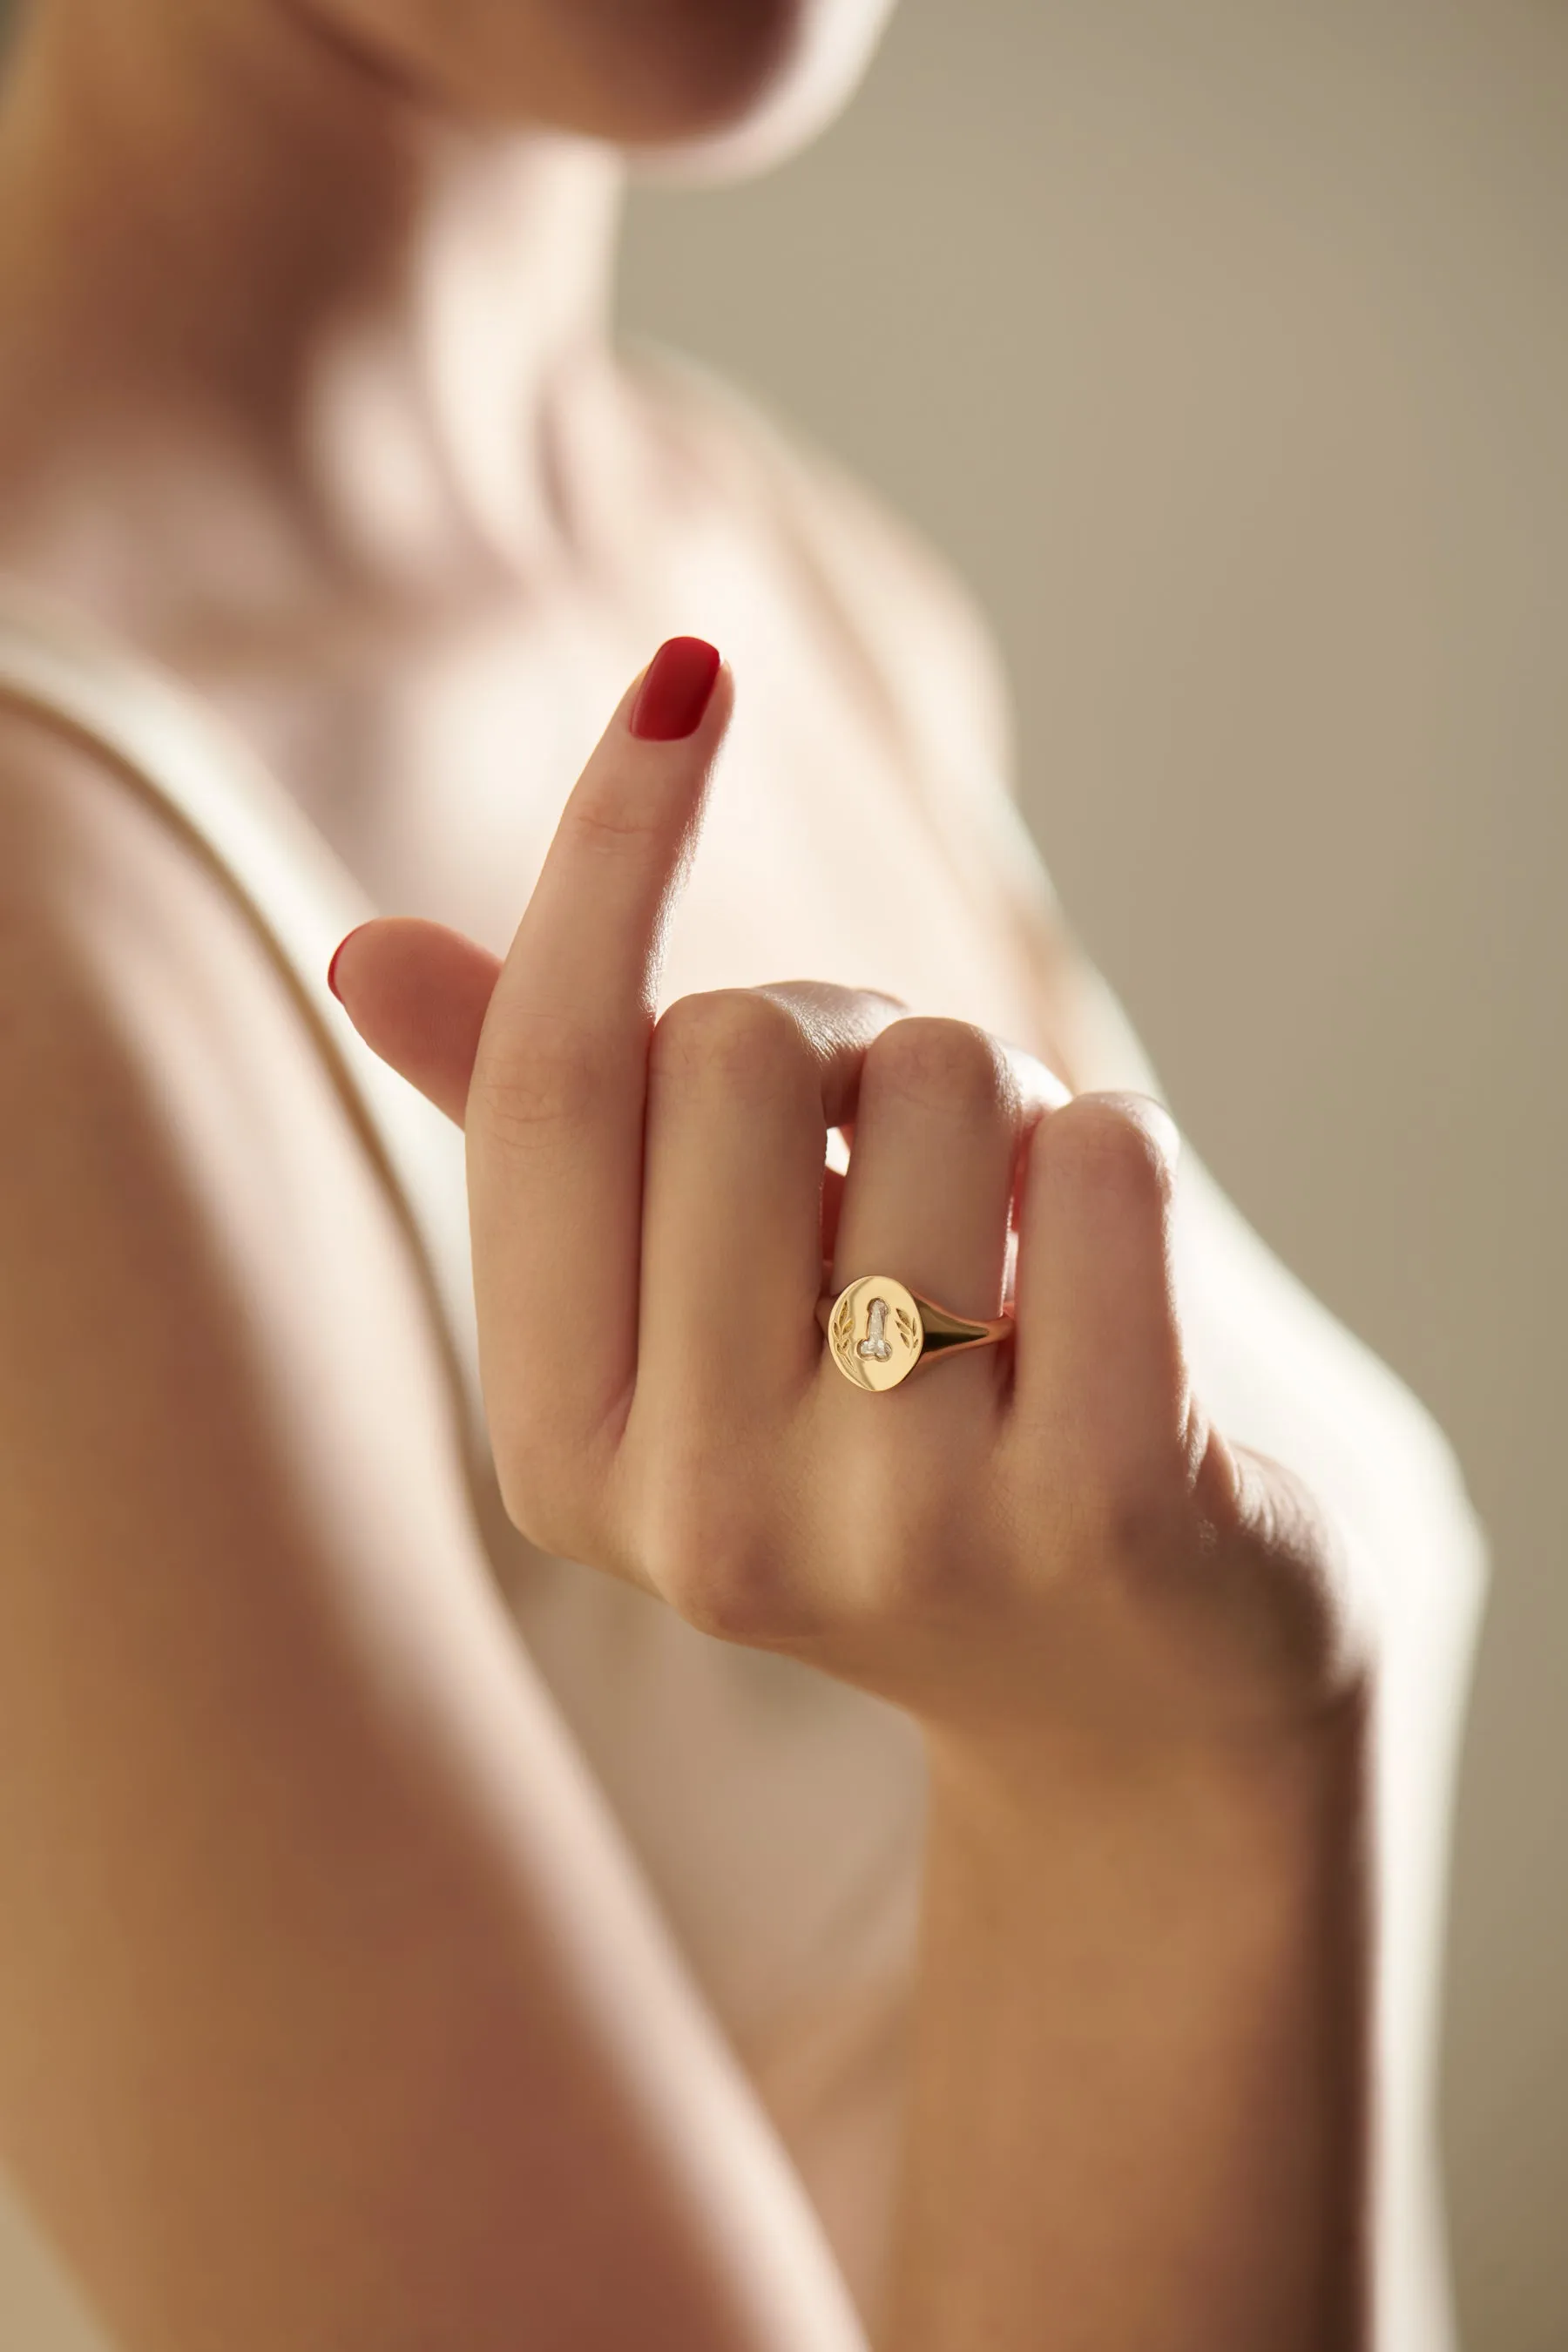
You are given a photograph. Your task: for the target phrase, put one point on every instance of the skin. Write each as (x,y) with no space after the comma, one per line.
(1128,1642)
(263,2095)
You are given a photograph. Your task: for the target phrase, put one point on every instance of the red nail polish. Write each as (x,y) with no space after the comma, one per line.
(337,951)
(676,691)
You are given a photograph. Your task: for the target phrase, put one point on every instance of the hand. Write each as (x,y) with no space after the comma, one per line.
(1044,1543)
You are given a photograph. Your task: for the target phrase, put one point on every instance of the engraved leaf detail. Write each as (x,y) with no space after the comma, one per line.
(843,1325)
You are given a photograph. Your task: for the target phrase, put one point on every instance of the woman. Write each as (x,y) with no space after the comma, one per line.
(410,1934)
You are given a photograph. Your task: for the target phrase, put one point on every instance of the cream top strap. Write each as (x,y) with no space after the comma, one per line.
(55,663)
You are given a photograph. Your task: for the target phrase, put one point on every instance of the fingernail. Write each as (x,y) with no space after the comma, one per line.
(676,691)
(337,951)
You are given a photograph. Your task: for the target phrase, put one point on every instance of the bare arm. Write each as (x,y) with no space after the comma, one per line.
(331,2015)
(1141,2107)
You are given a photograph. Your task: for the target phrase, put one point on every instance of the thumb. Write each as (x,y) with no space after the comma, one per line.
(417,994)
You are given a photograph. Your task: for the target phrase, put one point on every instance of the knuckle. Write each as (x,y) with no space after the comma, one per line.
(731,1594)
(737,1035)
(608,816)
(1111,1143)
(940,1064)
(707,1552)
(544,1076)
(723,1581)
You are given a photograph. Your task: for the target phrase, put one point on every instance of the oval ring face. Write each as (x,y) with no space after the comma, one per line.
(875,1332)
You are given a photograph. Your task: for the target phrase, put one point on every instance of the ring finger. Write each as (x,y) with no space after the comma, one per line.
(943,1112)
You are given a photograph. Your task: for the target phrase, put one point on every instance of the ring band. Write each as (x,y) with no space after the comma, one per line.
(879,1330)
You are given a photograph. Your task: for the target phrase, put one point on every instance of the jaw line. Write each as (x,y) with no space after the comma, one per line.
(801,104)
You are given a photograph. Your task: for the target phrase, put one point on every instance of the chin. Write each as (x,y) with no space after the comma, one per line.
(821,49)
(695,89)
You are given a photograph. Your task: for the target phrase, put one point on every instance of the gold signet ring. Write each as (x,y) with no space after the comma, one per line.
(879,1330)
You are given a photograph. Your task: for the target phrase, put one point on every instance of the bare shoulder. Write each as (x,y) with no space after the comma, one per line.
(176,1147)
(914,622)
(220,1452)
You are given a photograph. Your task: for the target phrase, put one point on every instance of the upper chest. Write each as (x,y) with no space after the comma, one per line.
(821,854)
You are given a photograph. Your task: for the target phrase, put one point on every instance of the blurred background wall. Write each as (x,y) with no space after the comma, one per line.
(1224,344)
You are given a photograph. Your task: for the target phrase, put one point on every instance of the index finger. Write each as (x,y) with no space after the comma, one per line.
(554,1115)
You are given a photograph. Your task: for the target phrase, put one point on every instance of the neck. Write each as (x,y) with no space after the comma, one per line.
(248,282)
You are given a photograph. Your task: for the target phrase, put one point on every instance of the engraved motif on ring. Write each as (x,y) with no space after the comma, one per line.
(879,1330)
(875,1332)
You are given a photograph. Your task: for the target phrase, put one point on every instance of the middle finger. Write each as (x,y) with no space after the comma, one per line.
(945,1111)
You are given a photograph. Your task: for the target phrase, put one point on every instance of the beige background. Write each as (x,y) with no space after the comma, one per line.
(1224,345)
